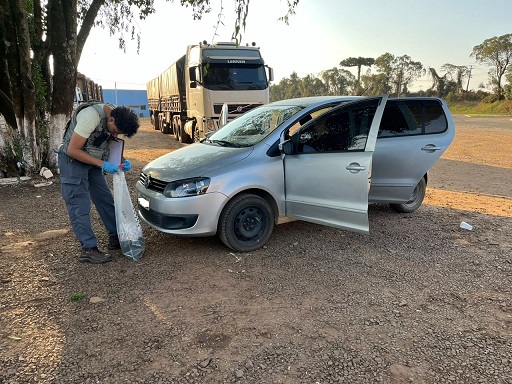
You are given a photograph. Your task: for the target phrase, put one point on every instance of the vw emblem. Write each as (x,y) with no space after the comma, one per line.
(239,108)
(147,182)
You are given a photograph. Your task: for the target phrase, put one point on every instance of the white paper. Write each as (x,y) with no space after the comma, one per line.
(116,151)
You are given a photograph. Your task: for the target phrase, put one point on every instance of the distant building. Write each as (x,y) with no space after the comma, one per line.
(135,99)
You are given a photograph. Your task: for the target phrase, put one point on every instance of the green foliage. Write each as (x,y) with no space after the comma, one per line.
(502,107)
(10,155)
(338,81)
(398,71)
(40,87)
(77,296)
(497,53)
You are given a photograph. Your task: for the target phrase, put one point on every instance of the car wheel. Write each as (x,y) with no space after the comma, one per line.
(246,223)
(416,199)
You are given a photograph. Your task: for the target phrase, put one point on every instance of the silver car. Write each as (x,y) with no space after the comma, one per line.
(319,159)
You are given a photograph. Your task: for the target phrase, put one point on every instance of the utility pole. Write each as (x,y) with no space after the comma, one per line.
(469,77)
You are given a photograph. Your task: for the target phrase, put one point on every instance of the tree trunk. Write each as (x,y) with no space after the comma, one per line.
(63,34)
(21,137)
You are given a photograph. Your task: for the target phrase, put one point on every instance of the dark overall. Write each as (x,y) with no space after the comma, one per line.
(80,184)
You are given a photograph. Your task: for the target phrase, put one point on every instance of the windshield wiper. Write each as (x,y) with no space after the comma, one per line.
(224,143)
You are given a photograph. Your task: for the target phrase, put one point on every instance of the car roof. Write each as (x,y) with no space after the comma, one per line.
(308,101)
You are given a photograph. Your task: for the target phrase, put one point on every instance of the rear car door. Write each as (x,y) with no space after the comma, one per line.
(413,134)
(327,165)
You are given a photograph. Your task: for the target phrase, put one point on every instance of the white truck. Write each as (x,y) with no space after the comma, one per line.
(187,99)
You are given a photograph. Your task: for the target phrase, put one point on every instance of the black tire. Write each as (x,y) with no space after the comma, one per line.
(178,130)
(166,128)
(155,119)
(183,135)
(174,129)
(416,199)
(246,223)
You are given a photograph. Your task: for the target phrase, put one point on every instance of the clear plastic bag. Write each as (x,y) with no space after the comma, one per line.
(129,229)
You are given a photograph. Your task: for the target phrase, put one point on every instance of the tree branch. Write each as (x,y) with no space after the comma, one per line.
(87,25)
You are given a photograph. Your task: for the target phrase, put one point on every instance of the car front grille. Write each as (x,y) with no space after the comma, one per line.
(152,183)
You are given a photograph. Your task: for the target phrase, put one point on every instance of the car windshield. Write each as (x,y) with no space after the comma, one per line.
(252,127)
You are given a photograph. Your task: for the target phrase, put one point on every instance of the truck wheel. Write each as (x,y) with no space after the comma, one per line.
(166,127)
(175,128)
(183,135)
(416,199)
(155,119)
(246,223)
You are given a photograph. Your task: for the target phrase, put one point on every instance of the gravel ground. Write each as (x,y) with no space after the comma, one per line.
(418,300)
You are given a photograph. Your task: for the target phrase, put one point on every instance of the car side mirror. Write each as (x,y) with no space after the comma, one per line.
(286,147)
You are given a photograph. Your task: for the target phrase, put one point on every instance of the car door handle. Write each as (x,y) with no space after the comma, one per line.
(355,168)
(430,148)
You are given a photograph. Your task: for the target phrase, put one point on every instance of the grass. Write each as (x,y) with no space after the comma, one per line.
(479,108)
(77,296)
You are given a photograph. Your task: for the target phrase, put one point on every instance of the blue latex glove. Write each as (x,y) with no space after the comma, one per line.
(126,166)
(110,167)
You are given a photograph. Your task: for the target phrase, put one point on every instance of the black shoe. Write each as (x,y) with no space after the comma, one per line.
(94,256)
(113,243)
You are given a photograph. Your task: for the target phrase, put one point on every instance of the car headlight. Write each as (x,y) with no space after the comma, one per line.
(187,187)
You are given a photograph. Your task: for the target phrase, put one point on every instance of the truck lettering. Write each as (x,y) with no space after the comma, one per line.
(236,61)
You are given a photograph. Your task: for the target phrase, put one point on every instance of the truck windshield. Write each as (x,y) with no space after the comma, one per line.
(234,77)
(252,127)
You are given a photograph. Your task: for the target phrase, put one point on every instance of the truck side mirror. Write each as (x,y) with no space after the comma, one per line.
(192,74)
(193,84)
(270,74)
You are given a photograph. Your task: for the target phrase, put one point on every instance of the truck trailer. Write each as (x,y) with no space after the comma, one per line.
(86,90)
(187,99)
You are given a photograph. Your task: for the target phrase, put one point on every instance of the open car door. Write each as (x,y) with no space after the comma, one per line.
(327,165)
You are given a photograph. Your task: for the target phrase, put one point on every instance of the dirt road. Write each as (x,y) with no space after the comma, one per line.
(418,300)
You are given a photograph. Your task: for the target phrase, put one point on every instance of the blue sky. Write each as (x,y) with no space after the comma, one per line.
(318,37)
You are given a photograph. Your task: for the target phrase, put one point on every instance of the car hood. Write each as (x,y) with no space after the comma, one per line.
(193,161)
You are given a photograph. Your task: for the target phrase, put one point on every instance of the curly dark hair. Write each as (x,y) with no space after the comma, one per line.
(126,120)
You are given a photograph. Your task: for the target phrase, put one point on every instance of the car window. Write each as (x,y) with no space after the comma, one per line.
(253,126)
(412,117)
(344,129)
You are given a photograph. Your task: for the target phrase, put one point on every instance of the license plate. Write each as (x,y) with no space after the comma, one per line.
(143,203)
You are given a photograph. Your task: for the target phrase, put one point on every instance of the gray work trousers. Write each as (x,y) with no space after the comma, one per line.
(80,184)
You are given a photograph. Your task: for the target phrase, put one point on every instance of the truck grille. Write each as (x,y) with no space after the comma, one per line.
(235,109)
(152,183)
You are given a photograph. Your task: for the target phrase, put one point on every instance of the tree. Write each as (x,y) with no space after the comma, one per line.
(458,74)
(438,83)
(374,84)
(312,86)
(41,42)
(338,81)
(357,62)
(497,53)
(399,71)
